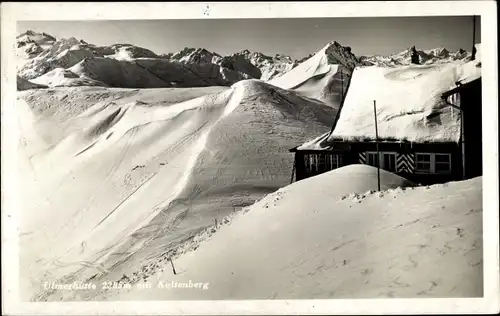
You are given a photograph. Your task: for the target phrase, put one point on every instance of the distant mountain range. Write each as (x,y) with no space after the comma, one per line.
(48,61)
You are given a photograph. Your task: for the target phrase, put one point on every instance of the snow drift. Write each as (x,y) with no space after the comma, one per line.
(331,236)
(324,76)
(128,174)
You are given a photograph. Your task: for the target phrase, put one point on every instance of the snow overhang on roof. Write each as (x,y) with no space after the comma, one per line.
(409,101)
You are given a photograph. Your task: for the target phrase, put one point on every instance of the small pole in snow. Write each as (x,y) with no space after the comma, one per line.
(216,223)
(376,140)
(173,268)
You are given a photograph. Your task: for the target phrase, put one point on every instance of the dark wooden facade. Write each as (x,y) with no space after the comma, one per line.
(424,163)
(471,105)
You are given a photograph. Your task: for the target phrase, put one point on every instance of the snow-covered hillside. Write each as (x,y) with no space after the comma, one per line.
(324,76)
(330,236)
(134,171)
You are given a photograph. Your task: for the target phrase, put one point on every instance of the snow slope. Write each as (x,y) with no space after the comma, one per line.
(126,174)
(61,77)
(331,236)
(324,76)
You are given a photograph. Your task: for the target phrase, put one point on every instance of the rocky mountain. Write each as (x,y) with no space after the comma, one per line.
(30,44)
(68,62)
(234,62)
(45,60)
(270,67)
(426,57)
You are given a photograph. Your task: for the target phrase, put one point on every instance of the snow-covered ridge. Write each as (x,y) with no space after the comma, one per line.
(40,53)
(188,68)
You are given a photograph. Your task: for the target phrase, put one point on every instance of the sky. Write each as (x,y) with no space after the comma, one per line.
(296,37)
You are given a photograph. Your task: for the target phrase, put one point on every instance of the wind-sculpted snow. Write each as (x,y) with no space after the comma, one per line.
(128,174)
(328,237)
(324,76)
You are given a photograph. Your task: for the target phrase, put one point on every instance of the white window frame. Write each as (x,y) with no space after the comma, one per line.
(312,161)
(448,171)
(381,158)
(430,162)
(433,163)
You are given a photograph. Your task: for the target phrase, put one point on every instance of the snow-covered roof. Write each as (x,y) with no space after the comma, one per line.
(409,104)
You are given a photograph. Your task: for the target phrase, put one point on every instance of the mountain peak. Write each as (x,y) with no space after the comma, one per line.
(30,33)
(339,54)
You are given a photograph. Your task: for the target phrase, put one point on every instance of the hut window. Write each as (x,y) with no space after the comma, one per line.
(423,163)
(333,161)
(443,163)
(433,163)
(311,162)
(372,159)
(336,160)
(308,162)
(314,162)
(386,159)
(321,162)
